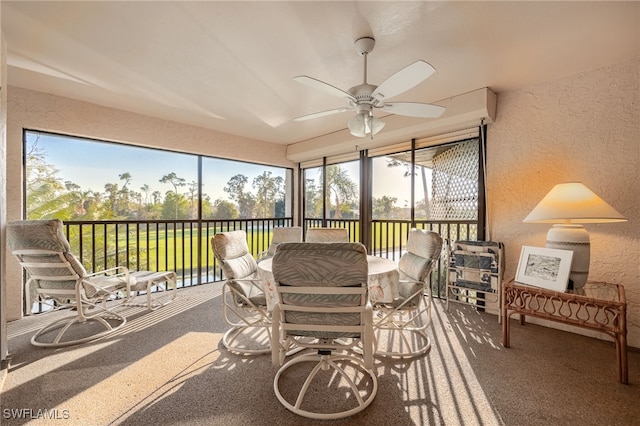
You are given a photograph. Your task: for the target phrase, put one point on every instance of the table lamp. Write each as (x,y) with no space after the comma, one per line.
(568,205)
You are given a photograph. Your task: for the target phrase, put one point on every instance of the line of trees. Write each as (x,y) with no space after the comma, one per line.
(49,196)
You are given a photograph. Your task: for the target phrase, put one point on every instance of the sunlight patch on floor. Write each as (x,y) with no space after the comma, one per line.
(137,387)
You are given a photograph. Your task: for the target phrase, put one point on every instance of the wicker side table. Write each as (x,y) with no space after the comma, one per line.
(602,307)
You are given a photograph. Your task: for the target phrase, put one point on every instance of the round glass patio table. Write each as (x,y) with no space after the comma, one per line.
(382,280)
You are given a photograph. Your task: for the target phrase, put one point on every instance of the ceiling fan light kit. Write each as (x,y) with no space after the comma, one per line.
(362,125)
(365,97)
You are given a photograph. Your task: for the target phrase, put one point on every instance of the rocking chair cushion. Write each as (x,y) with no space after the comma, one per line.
(424,243)
(47,235)
(249,290)
(414,267)
(239,267)
(44,234)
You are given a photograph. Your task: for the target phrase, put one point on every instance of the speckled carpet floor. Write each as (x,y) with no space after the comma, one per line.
(168,367)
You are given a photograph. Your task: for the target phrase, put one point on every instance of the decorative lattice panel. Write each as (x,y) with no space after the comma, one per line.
(455,183)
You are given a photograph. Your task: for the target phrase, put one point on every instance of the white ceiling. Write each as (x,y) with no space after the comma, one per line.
(229,66)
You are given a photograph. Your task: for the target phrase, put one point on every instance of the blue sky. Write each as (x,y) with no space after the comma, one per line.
(92,164)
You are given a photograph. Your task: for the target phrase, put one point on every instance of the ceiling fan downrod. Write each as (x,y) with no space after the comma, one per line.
(364,46)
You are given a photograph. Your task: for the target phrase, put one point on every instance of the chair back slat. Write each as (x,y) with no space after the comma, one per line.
(327,235)
(322,284)
(285,234)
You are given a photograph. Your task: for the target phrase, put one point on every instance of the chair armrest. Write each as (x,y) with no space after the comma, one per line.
(367,342)
(276,358)
(407,298)
(249,280)
(107,282)
(256,282)
(124,269)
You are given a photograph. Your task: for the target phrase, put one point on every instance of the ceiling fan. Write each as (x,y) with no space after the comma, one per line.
(366,97)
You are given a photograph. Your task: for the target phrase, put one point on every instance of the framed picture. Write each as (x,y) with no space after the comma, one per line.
(544,267)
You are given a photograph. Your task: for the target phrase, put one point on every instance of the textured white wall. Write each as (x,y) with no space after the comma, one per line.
(39,111)
(581,128)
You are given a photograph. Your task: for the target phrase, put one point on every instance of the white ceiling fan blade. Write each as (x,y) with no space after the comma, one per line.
(325,87)
(321,114)
(403,80)
(414,109)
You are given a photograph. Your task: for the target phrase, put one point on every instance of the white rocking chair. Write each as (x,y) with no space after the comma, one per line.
(58,279)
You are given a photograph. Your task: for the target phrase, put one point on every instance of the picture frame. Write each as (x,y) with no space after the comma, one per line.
(544,267)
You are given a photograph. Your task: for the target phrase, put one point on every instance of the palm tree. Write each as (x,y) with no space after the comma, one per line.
(340,185)
(176,181)
(145,190)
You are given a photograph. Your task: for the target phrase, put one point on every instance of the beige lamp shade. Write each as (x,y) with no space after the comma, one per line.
(568,205)
(573,203)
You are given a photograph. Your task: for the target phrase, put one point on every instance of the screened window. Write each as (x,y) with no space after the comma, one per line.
(391,187)
(313,192)
(436,186)
(343,190)
(233,189)
(73,178)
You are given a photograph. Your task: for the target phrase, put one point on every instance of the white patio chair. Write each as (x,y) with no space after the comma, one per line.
(284,234)
(243,297)
(401,326)
(327,235)
(323,307)
(57,279)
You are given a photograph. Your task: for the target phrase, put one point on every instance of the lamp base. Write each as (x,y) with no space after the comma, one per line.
(576,239)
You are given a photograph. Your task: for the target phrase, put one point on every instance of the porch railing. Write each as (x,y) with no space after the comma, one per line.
(184,246)
(388,238)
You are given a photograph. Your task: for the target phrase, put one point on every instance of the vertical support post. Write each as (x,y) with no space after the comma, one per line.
(324,191)
(482,202)
(413,184)
(365,200)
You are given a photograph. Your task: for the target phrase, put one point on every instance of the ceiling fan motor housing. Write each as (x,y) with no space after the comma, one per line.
(362,92)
